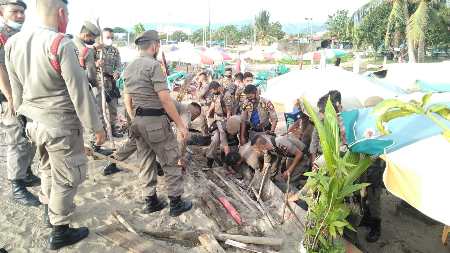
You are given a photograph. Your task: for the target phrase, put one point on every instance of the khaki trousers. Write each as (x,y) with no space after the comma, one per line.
(19,150)
(155,139)
(63,167)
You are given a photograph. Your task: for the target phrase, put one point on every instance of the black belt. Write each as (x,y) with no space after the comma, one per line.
(150,112)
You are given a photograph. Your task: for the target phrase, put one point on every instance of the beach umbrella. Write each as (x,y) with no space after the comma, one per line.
(413,77)
(416,153)
(286,89)
(329,54)
(189,55)
(217,55)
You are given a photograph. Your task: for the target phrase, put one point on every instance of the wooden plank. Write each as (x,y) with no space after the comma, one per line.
(122,220)
(445,234)
(235,192)
(129,241)
(268,241)
(211,245)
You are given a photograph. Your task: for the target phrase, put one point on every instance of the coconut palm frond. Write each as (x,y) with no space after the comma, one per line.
(418,22)
(364,10)
(396,19)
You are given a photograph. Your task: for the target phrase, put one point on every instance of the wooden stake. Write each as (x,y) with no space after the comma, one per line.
(122,221)
(263,181)
(263,208)
(286,197)
(211,245)
(234,191)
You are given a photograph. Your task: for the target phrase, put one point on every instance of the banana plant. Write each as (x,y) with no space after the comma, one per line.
(330,185)
(391,109)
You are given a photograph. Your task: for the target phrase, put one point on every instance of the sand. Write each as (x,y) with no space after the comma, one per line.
(21,228)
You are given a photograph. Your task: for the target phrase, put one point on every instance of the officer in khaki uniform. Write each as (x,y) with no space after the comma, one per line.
(224,139)
(19,151)
(84,43)
(86,55)
(227,79)
(258,115)
(188,113)
(145,84)
(52,92)
(217,109)
(284,155)
(111,73)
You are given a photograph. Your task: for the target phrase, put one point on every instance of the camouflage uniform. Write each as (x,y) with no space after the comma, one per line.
(112,64)
(266,113)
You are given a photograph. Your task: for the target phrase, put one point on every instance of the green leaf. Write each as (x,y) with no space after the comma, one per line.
(340,223)
(425,99)
(349,189)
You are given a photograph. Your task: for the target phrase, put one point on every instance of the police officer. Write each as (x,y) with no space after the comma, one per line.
(51,90)
(188,113)
(217,110)
(224,138)
(145,83)
(86,55)
(111,73)
(84,43)
(258,115)
(20,152)
(239,95)
(283,155)
(227,79)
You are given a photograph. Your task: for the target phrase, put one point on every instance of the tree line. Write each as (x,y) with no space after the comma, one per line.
(386,24)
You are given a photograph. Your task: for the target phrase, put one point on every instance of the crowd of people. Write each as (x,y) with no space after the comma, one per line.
(59,96)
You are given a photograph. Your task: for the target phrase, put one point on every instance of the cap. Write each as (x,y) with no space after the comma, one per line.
(233,124)
(14,2)
(91,28)
(150,35)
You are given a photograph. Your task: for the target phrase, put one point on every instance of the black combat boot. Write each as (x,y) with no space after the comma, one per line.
(63,236)
(110,169)
(47,223)
(375,230)
(21,195)
(100,150)
(209,163)
(153,204)
(31,180)
(179,206)
(116,133)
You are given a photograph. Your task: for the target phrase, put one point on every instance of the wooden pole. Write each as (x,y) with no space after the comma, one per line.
(286,196)
(210,243)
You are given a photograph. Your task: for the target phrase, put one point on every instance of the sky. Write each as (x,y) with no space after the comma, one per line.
(126,13)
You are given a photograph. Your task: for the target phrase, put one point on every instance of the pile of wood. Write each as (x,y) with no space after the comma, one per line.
(250,210)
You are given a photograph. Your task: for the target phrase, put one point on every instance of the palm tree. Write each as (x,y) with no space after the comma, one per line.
(425,14)
(262,25)
(401,22)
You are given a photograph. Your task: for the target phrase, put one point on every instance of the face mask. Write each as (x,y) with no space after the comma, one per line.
(108,42)
(14,25)
(62,25)
(89,42)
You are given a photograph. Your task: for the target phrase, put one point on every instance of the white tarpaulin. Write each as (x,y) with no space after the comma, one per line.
(406,75)
(286,89)
(420,174)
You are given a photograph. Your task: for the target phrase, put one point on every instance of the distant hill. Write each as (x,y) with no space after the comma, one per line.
(289,28)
